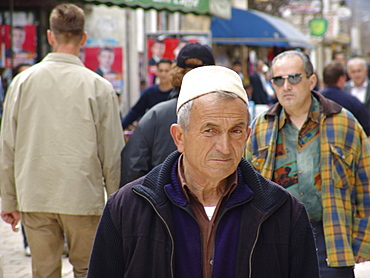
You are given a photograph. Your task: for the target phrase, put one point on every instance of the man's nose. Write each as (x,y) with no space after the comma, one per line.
(286,84)
(223,144)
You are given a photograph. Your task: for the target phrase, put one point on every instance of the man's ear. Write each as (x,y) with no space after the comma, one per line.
(313,80)
(50,36)
(84,38)
(177,133)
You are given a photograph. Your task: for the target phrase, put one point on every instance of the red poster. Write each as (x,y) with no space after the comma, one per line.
(23,50)
(105,61)
(167,46)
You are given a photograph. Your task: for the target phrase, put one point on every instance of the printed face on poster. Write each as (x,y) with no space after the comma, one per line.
(167,46)
(105,61)
(24,45)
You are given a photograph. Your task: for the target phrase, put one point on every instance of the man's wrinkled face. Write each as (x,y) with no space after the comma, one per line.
(214,142)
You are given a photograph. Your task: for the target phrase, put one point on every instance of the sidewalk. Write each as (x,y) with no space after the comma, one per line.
(14,264)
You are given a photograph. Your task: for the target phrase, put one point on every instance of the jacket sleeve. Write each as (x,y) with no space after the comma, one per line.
(136,157)
(110,139)
(136,111)
(361,224)
(302,253)
(106,258)
(7,148)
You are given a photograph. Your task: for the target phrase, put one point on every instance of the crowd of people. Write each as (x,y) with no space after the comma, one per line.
(201,188)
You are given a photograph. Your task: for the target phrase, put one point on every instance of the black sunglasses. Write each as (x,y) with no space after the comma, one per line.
(292,78)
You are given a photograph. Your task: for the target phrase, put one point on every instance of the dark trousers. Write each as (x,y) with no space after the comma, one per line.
(325,270)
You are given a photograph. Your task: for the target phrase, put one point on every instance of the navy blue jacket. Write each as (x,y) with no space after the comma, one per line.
(138,235)
(351,103)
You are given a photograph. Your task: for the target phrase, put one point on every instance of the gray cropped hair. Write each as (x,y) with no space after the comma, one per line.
(184,113)
(307,64)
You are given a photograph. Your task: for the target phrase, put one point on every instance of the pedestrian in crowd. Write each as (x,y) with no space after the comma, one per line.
(319,152)
(269,88)
(60,146)
(341,57)
(334,78)
(205,212)
(238,68)
(358,85)
(151,141)
(258,82)
(151,95)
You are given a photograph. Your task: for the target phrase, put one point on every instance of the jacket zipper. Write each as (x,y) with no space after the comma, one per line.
(252,250)
(258,234)
(168,229)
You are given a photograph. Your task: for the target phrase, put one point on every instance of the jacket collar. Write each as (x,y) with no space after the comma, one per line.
(62,57)
(251,186)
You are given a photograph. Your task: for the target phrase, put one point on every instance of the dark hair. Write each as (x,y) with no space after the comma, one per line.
(335,53)
(164,61)
(67,22)
(106,48)
(332,72)
(18,27)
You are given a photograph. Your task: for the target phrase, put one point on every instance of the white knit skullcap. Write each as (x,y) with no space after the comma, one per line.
(208,79)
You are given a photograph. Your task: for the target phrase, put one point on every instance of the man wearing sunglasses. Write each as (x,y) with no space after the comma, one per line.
(317,151)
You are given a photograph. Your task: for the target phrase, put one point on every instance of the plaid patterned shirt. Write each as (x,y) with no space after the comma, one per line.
(345,174)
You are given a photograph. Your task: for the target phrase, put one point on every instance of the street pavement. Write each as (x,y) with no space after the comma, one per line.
(14,263)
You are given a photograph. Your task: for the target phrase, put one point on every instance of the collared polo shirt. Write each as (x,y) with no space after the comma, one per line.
(297,160)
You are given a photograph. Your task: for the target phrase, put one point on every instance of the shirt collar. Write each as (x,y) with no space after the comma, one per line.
(363,85)
(313,115)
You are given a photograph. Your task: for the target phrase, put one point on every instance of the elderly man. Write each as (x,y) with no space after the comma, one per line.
(204,212)
(359,85)
(319,152)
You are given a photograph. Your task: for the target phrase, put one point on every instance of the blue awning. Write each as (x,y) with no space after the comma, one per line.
(251,27)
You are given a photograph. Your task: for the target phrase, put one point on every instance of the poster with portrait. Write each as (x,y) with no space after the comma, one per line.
(20,46)
(105,61)
(168,45)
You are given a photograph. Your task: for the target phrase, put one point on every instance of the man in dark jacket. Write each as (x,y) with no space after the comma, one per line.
(151,141)
(334,78)
(258,82)
(205,212)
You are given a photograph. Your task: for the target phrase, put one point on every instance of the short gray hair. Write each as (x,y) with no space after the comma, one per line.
(307,64)
(359,60)
(184,113)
